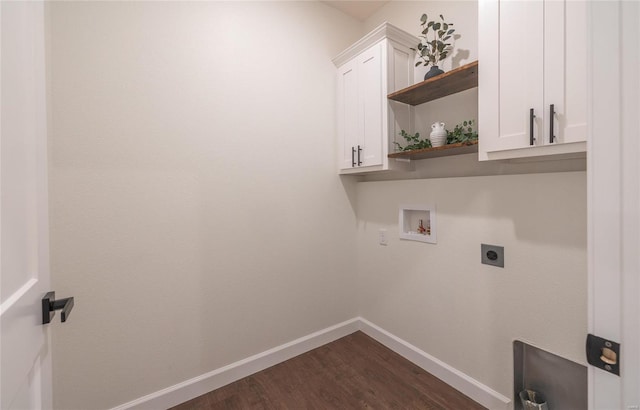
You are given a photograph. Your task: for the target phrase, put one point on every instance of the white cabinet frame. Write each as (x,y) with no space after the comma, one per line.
(533,56)
(367,123)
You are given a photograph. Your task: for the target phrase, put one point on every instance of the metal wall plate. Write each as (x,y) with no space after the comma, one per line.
(492,255)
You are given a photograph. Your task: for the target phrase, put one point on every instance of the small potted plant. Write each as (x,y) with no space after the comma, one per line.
(433,46)
(463,133)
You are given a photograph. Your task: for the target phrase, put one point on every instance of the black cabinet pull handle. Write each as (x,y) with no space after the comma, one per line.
(50,305)
(353,157)
(531,117)
(359,151)
(552,113)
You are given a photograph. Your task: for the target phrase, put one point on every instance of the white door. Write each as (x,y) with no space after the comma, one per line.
(348,114)
(25,379)
(565,71)
(521,72)
(511,84)
(614,198)
(372,98)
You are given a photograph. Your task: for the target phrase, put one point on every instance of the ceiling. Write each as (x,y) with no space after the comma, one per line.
(359,9)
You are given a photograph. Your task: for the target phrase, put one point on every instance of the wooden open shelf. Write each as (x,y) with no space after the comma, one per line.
(451,82)
(443,151)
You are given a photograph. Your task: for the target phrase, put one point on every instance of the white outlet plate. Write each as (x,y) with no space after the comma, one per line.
(382,237)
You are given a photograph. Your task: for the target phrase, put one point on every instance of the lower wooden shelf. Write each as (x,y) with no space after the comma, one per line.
(443,151)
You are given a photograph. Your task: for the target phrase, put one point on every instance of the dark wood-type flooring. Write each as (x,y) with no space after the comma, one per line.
(354,372)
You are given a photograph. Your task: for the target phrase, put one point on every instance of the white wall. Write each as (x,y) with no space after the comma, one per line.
(464,16)
(196,212)
(439,297)
(198,219)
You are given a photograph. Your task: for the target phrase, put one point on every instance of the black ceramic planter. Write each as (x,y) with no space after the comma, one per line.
(434,71)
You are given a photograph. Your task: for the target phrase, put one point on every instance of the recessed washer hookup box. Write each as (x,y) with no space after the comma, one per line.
(562,382)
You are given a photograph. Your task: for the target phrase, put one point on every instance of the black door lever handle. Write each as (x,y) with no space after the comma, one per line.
(50,305)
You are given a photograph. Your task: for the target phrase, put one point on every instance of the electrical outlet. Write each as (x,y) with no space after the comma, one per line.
(382,237)
(492,255)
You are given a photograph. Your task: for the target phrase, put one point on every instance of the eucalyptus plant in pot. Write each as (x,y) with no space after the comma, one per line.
(433,46)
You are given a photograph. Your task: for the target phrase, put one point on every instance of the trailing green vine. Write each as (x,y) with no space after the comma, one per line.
(463,133)
(414,142)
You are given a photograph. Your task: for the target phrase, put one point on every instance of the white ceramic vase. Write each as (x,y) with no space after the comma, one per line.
(438,134)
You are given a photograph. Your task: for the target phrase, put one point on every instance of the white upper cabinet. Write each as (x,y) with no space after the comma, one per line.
(533,83)
(367,123)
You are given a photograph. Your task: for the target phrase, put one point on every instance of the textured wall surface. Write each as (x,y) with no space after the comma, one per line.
(197,216)
(441,299)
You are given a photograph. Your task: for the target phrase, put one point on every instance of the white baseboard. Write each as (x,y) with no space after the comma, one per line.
(197,386)
(192,388)
(482,394)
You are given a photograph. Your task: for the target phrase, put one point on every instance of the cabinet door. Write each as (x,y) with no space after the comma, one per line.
(372,98)
(511,80)
(565,71)
(348,112)
(520,41)
(400,75)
